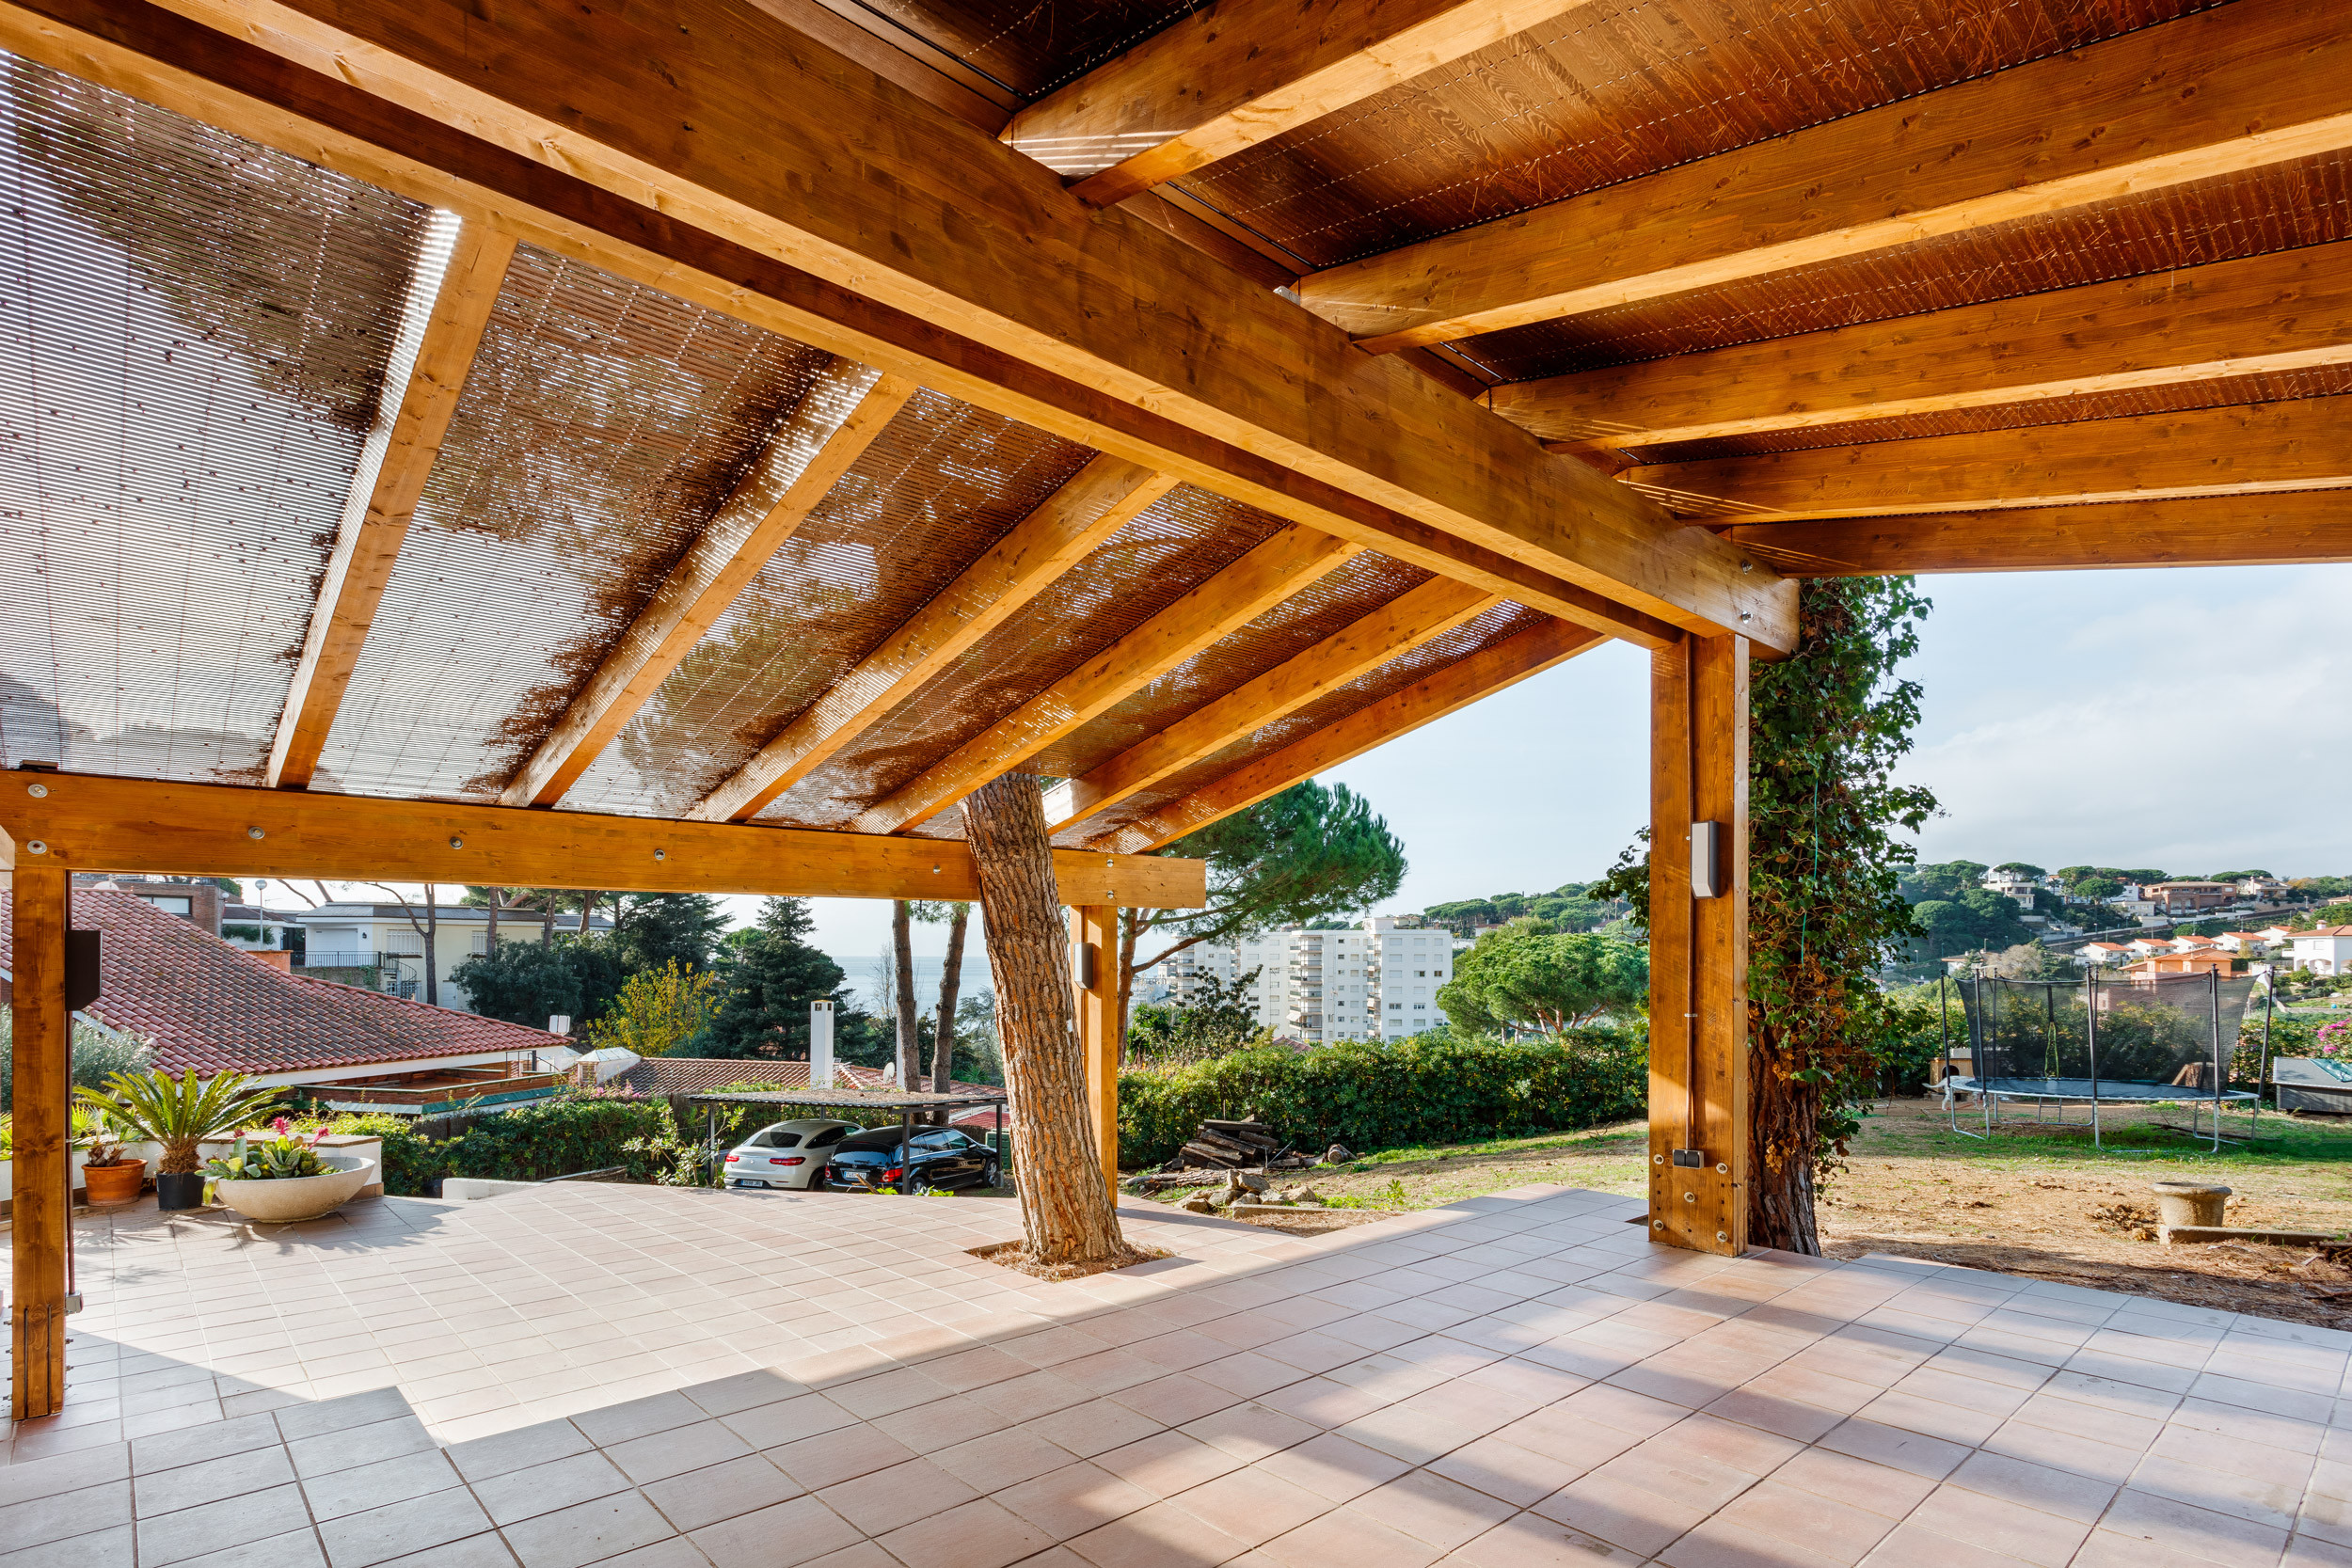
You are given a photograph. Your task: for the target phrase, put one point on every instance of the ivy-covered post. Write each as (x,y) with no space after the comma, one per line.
(1698,1100)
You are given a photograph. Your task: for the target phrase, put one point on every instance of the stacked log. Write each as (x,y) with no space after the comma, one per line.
(1226,1146)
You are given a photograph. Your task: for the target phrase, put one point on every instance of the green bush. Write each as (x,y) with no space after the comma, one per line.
(588,1131)
(1430,1088)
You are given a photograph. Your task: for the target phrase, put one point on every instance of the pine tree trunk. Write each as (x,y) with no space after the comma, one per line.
(547,917)
(1066,1205)
(587,908)
(903,977)
(1130,922)
(497,897)
(943,1031)
(1783,1117)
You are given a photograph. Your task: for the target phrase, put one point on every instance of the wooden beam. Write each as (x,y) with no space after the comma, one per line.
(1099,501)
(1698,1066)
(2228,90)
(2297,528)
(449,306)
(89,822)
(2290,311)
(1256,583)
(804,189)
(43,1171)
(1405,622)
(844,411)
(1427,699)
(1239,72)
(2241,450)
(1094,952)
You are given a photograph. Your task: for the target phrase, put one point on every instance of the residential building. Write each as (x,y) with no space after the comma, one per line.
(2327,950)
(2246,943)
(2182,898)
(2262,890)
(2109,953)
(2213,959)
(1378,981)
(388,940)
(2014,885)
(210,1008)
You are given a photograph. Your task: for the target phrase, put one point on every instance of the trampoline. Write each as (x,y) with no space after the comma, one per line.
(2162,1041)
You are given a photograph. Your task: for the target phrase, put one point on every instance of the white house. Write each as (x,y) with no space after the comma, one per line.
(2107,953)
(2014,885)
(2324,951)
(389,940)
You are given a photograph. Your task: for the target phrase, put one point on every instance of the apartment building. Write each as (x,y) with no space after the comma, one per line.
(1377,981)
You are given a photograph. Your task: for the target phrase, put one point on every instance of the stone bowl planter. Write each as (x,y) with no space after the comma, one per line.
(299,1197)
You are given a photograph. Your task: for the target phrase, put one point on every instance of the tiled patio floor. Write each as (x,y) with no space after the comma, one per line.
(666,1379)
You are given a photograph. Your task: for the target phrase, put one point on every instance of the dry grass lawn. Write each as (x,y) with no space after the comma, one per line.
(2036,1200)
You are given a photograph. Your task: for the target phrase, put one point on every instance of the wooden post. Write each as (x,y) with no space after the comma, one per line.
(1094,967)
(1698,1076)
(43,1212)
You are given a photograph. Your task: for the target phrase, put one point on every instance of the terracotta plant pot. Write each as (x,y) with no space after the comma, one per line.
(119,1184)
(178,1189)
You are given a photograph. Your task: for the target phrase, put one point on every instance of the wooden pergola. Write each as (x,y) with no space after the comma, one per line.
(692,444)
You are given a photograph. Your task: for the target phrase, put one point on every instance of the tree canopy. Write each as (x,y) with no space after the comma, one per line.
(1565,908)
(1526,978)
(770,975)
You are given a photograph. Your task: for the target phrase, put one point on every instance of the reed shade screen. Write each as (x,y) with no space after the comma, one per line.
(945,483)
(1497,625)
(2308,201)
(600,427)
(193,339)
(1031,49)
(1347,594)
(1185,539)
(1615,90)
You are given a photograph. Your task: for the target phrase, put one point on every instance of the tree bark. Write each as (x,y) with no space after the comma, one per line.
(943,1030)
(1783,1117)
(1130,922)
(1066,1208)
(547,917)
(902,982)
(497,897)
(587,908)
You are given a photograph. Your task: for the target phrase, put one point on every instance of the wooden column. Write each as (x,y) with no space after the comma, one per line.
(43,1209)
(1094,929)
(1698,1073)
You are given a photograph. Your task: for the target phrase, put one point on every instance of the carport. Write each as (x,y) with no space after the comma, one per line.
(905,1103)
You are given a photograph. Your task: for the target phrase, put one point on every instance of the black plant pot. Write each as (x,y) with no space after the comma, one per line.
(179,1190)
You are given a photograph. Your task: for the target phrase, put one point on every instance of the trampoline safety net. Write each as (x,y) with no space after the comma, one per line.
(2111,1039)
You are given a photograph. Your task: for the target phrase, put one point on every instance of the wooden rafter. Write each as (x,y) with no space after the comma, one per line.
(1427,699)
(86,823)
(2239,449)
(449,310)
(843,412)
(1404,623)
(2287,311)
(2230,90)
(1256,583)
(1239,72)
(2200,530)
(1098,502)
(738,162)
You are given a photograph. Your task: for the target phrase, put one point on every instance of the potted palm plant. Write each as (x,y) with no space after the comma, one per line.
(179,1114)
(110,1173)
(284,1180)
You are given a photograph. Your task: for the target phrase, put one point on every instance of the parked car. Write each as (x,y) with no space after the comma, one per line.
(934,1157)
(787,1154)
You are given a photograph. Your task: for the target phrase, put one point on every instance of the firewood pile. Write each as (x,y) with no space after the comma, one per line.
(1218,1147)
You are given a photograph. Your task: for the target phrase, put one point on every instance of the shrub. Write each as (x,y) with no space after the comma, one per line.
(592,1130)
(1429,1089)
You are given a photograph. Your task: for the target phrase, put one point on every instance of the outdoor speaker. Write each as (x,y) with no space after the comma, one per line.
(81,970)
(1706,859)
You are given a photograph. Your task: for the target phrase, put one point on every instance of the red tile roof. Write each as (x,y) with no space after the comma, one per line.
(214,1008)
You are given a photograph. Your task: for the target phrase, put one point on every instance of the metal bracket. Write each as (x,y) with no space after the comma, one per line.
(1691,1159)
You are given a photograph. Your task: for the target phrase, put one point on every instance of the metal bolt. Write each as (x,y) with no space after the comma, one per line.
(36,847)
(662,854)
(456,843)
(1723,1170)
(1747,566)
(1658,1159)
(1721,1237)
(1746,616)
(39,792)
(1657,1225)
(255,832)
(1689,1197)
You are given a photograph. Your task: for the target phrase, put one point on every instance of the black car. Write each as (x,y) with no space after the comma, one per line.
(934,1157)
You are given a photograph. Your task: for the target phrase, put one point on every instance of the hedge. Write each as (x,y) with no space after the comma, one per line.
(1429,1089)
(570,1132)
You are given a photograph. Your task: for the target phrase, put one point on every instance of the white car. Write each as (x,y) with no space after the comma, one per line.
(788,1154)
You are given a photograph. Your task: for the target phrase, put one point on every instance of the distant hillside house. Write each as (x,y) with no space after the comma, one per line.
(2179,898)
(210,1008)
(2324,951)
